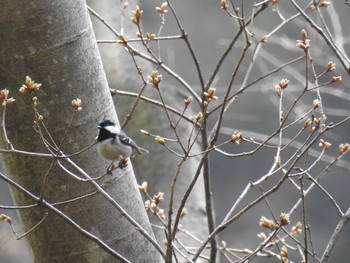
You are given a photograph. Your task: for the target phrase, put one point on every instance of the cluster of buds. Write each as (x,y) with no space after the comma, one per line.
(29,86)
(198,117)
(284,254)
(270,224)
(76,104)
(296,230)
(264,39)
(143,187)
(267,223)
(162,9)
(123,162)
(154,79)
(321,4)
(158,198)
(150,36)
(153,205)
(282,85)
(224,5)
(39,118)
(284,219)
(336,79)
(122,40)
(330,66)
(304,43)
(5,99)
(210,94)
(317,122)
(344,147)
(34,102)
(324,145)
(137,16)
(237,137)
(188,101)
(150,205)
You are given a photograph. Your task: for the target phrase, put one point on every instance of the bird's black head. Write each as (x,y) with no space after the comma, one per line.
(106,127)
(104,123)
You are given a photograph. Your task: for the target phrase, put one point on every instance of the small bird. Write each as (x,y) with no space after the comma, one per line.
(113,142)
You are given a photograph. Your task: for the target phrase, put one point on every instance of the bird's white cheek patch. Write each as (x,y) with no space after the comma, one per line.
(113,129)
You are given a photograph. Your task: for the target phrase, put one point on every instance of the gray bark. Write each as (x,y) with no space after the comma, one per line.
(159,168)
(53,43)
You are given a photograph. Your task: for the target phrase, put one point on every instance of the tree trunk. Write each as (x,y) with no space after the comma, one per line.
(160,167)
(53,43)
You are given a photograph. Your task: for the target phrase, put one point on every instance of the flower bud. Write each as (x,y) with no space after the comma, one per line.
(343,148)
(330,66)
(336,79)
(188,100)
(159,140)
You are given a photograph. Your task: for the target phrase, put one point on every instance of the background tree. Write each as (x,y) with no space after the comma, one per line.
(77,218)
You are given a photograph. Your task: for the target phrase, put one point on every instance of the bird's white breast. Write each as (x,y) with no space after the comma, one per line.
(111,151)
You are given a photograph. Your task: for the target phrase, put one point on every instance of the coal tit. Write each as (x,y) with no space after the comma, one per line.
(113,142)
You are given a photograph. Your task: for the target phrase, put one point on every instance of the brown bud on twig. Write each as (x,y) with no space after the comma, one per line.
(183,213)
(158,198)
(29,86)
(284,253)
(325,4)
(188,100)
(316,103)
(76,104)
(264,39)
(283,83)
(284,219)
(122,40)
(325,145)
(143,187)
(307,123)
(330,66)
(198,116)
(343,148)
(5,218)
(296,230)
(336,79)
(236,137)
(137,16)
(304,43)
(163,8)
(159,140)
(267,223)
(5,99)
(224,5)
(210,94)
(154,79)
(145,132)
